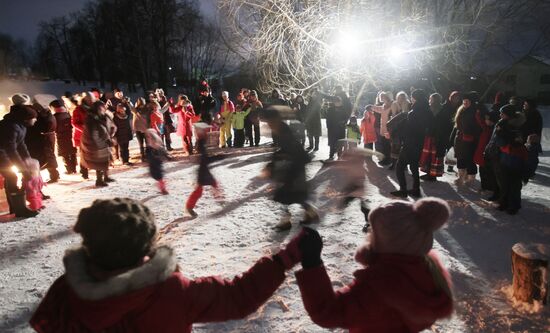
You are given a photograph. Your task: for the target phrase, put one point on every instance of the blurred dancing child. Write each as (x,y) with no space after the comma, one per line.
(288,169)
(205,177)
(156,154)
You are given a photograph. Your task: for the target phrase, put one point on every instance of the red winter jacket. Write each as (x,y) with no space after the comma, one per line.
(154,297)
(395,293)
(77,120)
(367,128)
(185,119)
(484,137)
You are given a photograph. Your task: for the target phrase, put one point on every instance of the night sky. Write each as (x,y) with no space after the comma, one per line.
(20,18)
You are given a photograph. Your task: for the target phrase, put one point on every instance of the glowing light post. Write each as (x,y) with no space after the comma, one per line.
(173,77)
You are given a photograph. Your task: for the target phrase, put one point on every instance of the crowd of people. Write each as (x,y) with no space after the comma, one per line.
(120,271)
(427,131)
(422,132)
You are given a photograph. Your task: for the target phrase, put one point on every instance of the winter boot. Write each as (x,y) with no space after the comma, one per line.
(189,212)
(108,179)
(99,180)
(284,224)
(17,200)
(84,172)
(162,187)
(461,178)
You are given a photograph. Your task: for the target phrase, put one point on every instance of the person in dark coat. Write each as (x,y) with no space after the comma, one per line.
(13,152)
(96,143)
(252,120)
(512,159)
(288,170)
(313,120)
(435,142)
(298,126)
(205,103)
(156,154)
(337,118)
(487,121)
(450,107)
(347,107)
(123,133)
(121,280)
(40,140)
(413,133)
(141,119)
(499,102)
(276,98)
(64,136)
(169,127)
(533,120)
(205,177)
(402,287)
(467,137)
(440,130)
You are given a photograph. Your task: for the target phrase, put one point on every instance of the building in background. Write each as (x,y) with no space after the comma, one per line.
(528,78)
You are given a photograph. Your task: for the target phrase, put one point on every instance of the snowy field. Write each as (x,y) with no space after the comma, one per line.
(227,238)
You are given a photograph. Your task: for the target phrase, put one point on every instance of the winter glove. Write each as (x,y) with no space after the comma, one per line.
(291,255)
(310,246)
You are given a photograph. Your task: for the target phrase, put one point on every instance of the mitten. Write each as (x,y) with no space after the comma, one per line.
(310,246)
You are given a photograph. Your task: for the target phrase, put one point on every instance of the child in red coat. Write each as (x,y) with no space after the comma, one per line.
(33,186)
(402,287)
(120,280)
(368,132)
(205,177)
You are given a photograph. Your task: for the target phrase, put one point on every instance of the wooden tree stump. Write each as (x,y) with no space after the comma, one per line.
(530,272)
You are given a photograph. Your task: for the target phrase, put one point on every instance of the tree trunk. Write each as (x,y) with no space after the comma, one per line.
(530,272)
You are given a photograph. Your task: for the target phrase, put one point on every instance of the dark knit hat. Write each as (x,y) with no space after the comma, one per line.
(116,233)
(509,110)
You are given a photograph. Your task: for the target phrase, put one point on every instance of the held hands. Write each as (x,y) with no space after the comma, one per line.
(306,247)
(290,255)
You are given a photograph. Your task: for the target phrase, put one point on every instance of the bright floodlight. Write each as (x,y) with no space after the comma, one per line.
(348,44)
(396,53)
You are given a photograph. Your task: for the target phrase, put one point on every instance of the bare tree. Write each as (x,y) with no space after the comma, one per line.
(299,44)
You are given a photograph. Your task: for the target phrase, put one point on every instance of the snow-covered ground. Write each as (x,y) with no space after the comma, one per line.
(228,237)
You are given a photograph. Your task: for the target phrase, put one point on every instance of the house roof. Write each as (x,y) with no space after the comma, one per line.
(544,60)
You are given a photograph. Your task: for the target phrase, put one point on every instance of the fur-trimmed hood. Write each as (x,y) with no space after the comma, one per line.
(156,270)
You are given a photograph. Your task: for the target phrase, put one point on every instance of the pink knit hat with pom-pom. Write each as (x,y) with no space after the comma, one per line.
(402,227)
